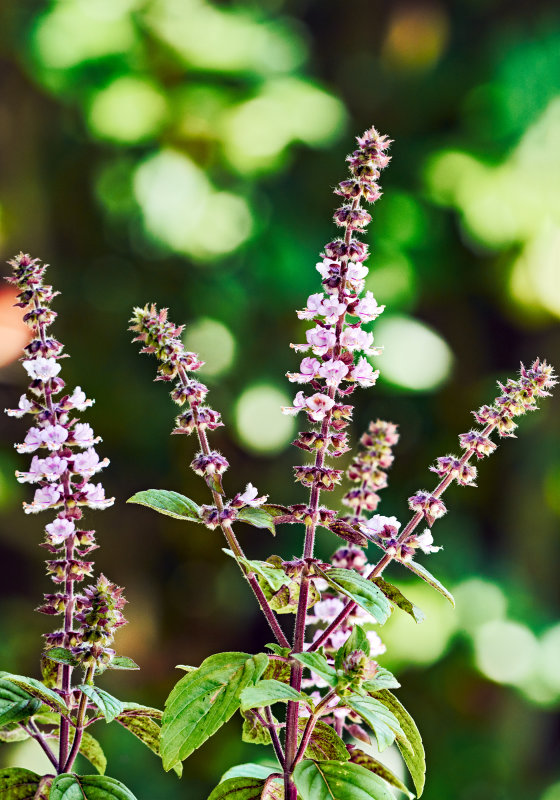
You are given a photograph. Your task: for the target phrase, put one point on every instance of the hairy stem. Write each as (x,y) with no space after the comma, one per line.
(80,723)
(36,734)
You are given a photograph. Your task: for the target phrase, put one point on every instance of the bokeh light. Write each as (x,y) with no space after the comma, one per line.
(261,426)
(128,110)
(214,342)
(505,651)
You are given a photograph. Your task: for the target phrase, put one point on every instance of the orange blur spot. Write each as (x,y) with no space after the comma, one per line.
(14,333)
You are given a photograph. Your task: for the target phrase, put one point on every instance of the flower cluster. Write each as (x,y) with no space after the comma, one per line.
(369,466)
(99,617)
(65,459)
(338,343)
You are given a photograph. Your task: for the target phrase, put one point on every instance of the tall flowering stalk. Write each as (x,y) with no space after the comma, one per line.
(340,601)
(62,469)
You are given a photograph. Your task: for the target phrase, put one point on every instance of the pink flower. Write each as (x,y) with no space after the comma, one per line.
(82,434)
(45,497)
(376,523)
(79,400)
(367,308)
(309,367)
(333,372)
(53,467)
(332,310)
(300,401)
(95,496)
(250,498)
(54,436)
(42,368)
(358,339)
(318,405)
(325,266)
(33,440)
(425,541)
(88,462)
(321,339)
(59,530)
(24,406)
(364,374)
(328,609)
(356,271)
(376,645)
(314,307)
(35,472)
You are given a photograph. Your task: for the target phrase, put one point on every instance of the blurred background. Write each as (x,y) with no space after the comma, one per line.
(182,152)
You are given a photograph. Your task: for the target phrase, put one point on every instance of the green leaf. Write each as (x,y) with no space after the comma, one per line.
(257,771)
(358,756)
(397,597)
(253,731)
(383,680)
(89,787)
(286,599)
(92,750)
(264,693)
(15,704)
(274,576)
(383,722)
(40,691)
(203,700)
(277,671)
(18,784)
(360,590)
(318,664)
(423,573)
(259,517)
(412,749)
(336,780)
(248,789)
(108,705)
(148,731)
(277,650)
(172,504)
(62,656)
(13,733)
(357,640)
(349,533)
(325,744)
(137,710)
(122,662)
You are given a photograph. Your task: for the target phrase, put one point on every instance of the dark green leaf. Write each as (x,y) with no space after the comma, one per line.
(286,599)
(92,750)
(397,597)
(264,693)
(423,573)
(15,703)
(49,672)
(383,722)
(108,705)
(40,691)
(18,784)
(88,787)
(248,789)
(325,744)
(172,504)
(361,591)
(277,670)
(336,780)
(411,748)
(369,762)
(203,700)
(148,731)
(122,662)
(318,664)
(62,656)
(259,517)
(258,771)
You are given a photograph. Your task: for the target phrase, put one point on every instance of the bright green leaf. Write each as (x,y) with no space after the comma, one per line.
(383,680)
(108,705)
(274,576)
(258,517)
(138,710)
(203,700)
(383,722)
(62,656)
(337,780)
(397,597)
(361,591)
(257,771)
(172,504)
(13,733)
(18,784)
(264,693)
(423,573)
(369,762)
(325,744)
(148,731)
(411,748)
(248,789)
(40,691)
(88,787)
(357,640)
(319,665)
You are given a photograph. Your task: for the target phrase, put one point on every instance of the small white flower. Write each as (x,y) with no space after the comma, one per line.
(426,543)
(42,368)
(250,496)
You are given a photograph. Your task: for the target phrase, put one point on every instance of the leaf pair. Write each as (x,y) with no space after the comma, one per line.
(22,784)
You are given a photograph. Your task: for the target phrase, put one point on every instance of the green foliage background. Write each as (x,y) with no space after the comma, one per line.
(182,151)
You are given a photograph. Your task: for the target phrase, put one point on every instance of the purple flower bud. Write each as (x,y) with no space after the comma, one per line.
(212,464)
